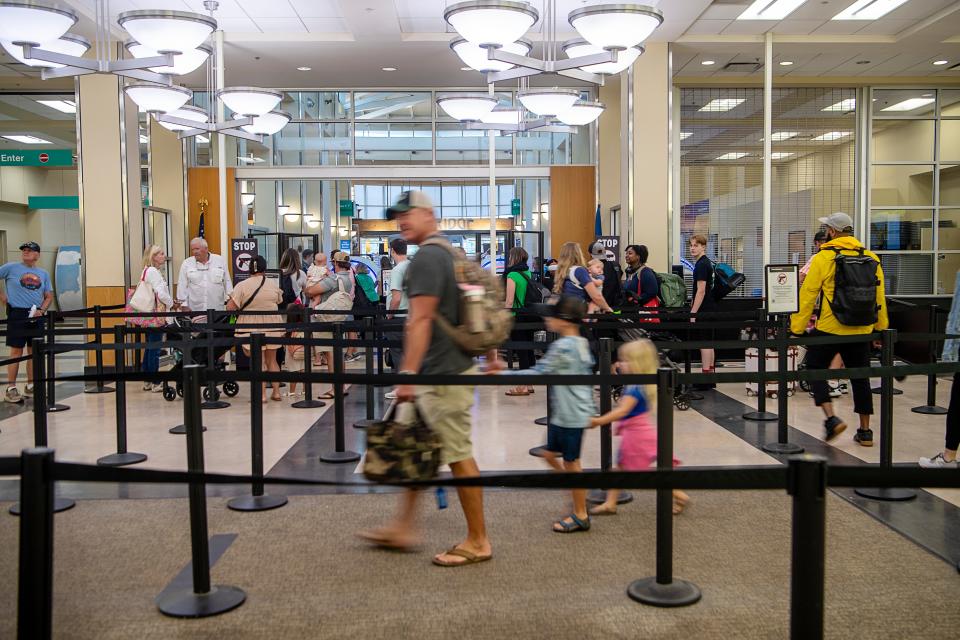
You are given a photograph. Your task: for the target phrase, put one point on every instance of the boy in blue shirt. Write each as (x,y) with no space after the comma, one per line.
(27,291)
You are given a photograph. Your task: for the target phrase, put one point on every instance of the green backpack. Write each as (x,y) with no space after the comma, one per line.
(673,291)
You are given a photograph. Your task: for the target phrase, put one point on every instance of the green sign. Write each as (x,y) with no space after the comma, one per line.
(37,158)
(53,202)
(346,208)
(515,206)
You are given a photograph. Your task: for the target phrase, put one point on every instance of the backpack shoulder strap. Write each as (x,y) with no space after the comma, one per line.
(439,241)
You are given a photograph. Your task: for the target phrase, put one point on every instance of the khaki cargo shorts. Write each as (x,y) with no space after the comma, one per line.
(447,410)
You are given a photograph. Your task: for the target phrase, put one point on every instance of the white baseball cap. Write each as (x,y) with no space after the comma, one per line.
(839,221)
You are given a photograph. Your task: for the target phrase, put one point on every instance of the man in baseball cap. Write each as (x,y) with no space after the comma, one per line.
(838,221)
(408,201)
(27,294)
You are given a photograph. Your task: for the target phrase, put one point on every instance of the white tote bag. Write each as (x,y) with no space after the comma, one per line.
(340,300)
(144,299)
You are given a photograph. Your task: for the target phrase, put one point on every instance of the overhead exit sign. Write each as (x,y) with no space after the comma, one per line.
(36,158)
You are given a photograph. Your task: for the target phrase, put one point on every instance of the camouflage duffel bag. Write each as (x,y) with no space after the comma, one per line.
(401,447)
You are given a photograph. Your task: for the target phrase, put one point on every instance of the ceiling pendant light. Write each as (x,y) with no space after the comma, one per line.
(312,221)
(167,31)
(269,123)
(69,44)
(154,98)
(615,26)
(548,102)
(249,101)
(186,112)
(183,63)
(246,198)
(466,106)
(37,23)
(498,22)
(578,47)
(475,56)
(582,112)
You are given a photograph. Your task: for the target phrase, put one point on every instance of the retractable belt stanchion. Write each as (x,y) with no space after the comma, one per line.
(761,414)
(211,396)
(201,599)
(807,483)
(782,445)
(887,337)
(98,355)
(122,457)
(340,452)
(369,389)
(932,408)
(257,501)
(40,421)
(35,582)
(599,496)
(664,590)
(181,429)
(308,402)
(537,452)
(52,405)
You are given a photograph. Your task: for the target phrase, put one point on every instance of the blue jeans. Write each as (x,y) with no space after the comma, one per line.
(151,357)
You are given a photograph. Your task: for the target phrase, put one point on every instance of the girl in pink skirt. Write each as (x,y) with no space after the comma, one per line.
(638,446)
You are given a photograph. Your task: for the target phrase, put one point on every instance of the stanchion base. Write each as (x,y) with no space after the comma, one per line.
(877,391)
(181,429)
(121,459)
(364,424)
(930,410)
(184,603)
(59,504)
(783,448)
(99,390)
(886,494)
(760,416)
(214,404)
(54,408)
(599,496)
(340,456)
(537,452)
(308,404)
(541,421)
(678,593)
(256,503)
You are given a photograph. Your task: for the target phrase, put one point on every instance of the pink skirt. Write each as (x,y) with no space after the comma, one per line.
(638,444)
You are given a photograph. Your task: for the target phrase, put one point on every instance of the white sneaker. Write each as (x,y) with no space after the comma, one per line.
(28,391)
(390,395)
(148,386)
(938,462)
(12,395)
(157,387)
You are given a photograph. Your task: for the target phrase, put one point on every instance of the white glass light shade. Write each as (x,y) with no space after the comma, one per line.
(475,56)
(35,22)
(503,115)
(466,106)
(183,63)
(312,222)
(579,47)
(491,21)
(548,102)
(269,123)
(187,112)
(157,98)
(246,199)
(291,217)
(167,31)
(70,44)
(249,101)
(582,112)
(618,26)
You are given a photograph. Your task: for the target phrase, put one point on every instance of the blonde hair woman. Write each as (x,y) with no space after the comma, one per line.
(573,279)
(154,259)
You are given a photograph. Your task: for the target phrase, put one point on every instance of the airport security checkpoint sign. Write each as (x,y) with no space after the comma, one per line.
(783,288)
(242,253)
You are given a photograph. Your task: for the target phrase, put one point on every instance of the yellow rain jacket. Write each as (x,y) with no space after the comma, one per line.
(821,278)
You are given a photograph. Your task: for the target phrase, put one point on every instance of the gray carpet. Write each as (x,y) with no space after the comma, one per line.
(307,577)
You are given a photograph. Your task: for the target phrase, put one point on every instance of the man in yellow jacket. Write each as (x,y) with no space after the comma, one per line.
(820,284)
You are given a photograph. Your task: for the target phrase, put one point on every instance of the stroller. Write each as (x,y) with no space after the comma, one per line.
(185,328)
(632,331)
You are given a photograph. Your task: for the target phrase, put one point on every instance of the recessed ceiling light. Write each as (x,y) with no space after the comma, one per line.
(868,9)
(28,139)
(848,104)
(786,63)
(832,135)
(734,155)
(909,105)
(770,9)
(65,106)
(303,68)
(685,134)
(940,63)
(707,63)
(722,104)
(388,68)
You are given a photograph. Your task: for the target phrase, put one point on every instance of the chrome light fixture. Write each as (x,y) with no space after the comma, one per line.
(548,102)
(578,47)
(195,115)
(615,26)
(183,63)
(155,98)
(167,31)
(582,112)
(466,106)
(69,44)
(475,56)
(249,101)
(491,22)
(269,123)
(246,198)
(38,23)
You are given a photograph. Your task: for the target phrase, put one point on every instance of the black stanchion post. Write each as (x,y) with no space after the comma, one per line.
(122,457)
(98,355)
(664,590)
(761,414)
(932,408)
(211,396)
(599,496)
(257,501)
(35,582)
(340,452)
(887,338)
(782,445)
(52,405)
(807,483)
(181,429)
(369,388)
(202,599)
(308,402)
(537,452)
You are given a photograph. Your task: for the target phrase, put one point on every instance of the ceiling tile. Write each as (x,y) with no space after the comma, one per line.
(420,8)
(791,27)
(839,28)
(749,27)
(886,27)
(317,8)
(917,9)
(724,11)
(326,25)
(273,25)
(227,9)
(268,8)
(707,27)
(237,25)
(422,25)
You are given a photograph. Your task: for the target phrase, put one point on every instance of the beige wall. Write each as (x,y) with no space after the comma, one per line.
(167,184)
(608,161)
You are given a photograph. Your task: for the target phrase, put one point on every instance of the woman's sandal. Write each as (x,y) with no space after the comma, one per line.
(468,557)
(327,395)
(571,527)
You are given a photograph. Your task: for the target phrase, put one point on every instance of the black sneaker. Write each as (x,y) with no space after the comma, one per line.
(864,437)
(834,426)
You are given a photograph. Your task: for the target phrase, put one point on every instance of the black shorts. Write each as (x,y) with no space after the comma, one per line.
(21,329)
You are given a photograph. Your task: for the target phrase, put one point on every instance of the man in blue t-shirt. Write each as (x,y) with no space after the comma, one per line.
(27,295)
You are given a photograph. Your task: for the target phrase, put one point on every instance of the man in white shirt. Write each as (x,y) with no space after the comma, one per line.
(204,280)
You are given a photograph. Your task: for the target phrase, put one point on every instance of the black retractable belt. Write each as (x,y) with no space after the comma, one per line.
(52,405)
(308,402)
(369,388)
(761,414)
(122,457)
(340,452)
(932,408)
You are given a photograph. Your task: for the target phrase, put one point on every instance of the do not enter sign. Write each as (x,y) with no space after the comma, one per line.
(44,158)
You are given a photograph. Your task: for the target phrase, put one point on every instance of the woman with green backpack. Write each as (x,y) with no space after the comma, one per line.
(516,279)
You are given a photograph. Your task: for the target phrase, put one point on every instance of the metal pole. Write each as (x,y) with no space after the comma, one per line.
(932,408)
(369,389)
(52,406)
(807,483)
(212,400)
(492,192)
(340,452)
(544,421)
(761,414)
(122,457)
(308,402)
(782,446)
(98,355)
(35,581)
(606,433)
(767,140)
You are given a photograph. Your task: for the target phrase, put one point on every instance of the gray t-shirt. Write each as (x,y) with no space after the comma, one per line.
(431,274)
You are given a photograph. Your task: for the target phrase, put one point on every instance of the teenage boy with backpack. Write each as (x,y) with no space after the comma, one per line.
(850,280)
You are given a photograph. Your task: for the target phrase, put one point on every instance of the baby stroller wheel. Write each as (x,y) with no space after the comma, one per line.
(211,394)
(231,388)
(681,404)
(773,395)
(751,393)
(180,389)
(169,394)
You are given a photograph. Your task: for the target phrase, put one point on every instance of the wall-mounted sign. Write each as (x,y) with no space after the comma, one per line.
(611,244)
(37,158)
(515,207)
(346,208)
(783,288)
(345,246)
(242,253)
(53,202)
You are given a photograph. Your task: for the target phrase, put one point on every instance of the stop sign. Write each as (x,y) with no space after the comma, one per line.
(44,157)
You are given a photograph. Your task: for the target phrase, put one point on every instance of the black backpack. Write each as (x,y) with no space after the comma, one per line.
(286,287)
(855,289)
(536,293)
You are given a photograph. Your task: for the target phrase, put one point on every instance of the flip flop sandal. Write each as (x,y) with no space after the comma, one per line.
(328,395)
(468,558)
(572,527)
(514,392)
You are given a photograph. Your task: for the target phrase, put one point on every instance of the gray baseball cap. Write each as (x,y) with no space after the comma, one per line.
(409,200)
(839,221)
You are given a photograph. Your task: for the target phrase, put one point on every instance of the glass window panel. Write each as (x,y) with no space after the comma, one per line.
(541,148)
(317,105)
(450,195)
(903,140)
(948,229)
(950,185)
(950,102)
(949,265)
(313,144)
(393,105)
(907,274)
(901,229)
(394,143)
(904,102)
(457,145)
(901,185)
(949,140)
